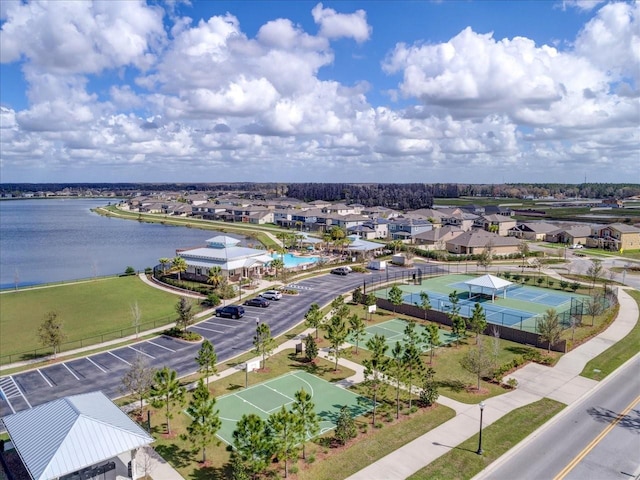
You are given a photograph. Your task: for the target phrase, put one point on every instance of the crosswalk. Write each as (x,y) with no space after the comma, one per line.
(10,389)
(297,286)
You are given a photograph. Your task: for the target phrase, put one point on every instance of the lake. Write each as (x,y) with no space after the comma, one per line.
(53,240)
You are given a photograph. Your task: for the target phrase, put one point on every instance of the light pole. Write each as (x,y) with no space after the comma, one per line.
(480,452)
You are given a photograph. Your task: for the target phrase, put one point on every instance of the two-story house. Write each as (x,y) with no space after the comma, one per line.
(616,236)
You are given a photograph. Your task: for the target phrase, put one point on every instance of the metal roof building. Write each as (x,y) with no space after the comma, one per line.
(71,434)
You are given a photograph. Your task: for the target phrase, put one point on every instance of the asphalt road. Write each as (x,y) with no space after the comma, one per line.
(598,438)
(104,371)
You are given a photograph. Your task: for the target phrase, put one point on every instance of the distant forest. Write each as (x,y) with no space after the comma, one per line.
(402,196)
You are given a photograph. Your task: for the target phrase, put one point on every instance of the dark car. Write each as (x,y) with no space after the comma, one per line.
(341,271)
(231,311)
(258,302)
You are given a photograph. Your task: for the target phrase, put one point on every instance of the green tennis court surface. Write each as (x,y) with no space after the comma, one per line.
(393,331)
(268,397)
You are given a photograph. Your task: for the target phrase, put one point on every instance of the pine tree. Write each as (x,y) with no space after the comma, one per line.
(313,317)
(166,392)
(310,348)
(304,408)
(207,360)
(205,419)
(345,427)
(336,334)
(264,342)
(285,436)
(375,369)
(478,321)
(356,329)
(252,441)
(395,297)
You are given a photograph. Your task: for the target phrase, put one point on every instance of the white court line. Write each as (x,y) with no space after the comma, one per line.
(7,400)
(45,378)
(140,351)
(207,329)
(96,365)
(254,406)
(121,359)
(279,393)
(20,391)
(70,371)
(161,346)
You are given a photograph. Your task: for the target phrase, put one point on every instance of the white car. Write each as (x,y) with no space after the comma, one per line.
(576,246)
(271,295)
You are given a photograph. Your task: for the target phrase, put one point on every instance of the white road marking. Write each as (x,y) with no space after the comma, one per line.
(140,351)
(161,346)
(97,366)
(121,359)
(45,378)
(70,371)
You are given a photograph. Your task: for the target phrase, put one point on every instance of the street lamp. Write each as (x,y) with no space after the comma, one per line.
(480,452)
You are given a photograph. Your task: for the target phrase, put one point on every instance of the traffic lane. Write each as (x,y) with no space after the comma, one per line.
(565,437)
(617,456)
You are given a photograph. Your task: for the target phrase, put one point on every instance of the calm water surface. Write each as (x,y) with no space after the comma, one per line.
(56,240)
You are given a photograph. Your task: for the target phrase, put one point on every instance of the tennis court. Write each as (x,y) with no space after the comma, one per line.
(521,308)
(268,397)
(393,331)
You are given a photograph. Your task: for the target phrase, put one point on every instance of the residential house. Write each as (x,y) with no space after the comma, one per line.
(532,230)
(458,218)
(573,235)
(208,211)
(499,224)
(617,236)
(371,229)
(197,198)
(403,228)
(437,238)
(612,203)
(477,241)
(349,220)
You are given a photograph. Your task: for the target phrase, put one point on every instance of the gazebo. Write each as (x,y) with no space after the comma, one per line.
(488,283)
(77,437)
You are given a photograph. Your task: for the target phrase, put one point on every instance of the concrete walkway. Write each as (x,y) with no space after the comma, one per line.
(561,383)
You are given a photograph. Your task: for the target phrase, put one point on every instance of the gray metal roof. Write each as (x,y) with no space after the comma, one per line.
(72,433)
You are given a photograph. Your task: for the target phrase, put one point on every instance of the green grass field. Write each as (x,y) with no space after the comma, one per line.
(87,309)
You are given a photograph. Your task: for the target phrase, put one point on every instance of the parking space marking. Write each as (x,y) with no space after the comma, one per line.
(207,329)
(97,366)
(161,346)
(45,378)
(121,359)
(226,319)
(19,391)
(140,351)
(70,371)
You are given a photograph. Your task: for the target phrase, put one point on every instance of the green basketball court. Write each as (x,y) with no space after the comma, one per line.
(268,397)
(393,331)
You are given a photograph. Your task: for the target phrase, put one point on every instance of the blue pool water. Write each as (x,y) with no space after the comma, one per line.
(291,260)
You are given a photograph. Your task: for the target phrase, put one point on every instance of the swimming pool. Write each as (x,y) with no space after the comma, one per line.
(291,260)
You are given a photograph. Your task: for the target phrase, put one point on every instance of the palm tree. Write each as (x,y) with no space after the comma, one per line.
(164,261)
(215,276)
(179,264)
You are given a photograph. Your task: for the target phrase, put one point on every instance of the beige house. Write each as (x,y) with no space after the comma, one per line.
(477,241)
(532,230)
(616,236)
(499,224)
(437,238)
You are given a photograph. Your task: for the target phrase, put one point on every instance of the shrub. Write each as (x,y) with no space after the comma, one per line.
(130,271)
(512,382)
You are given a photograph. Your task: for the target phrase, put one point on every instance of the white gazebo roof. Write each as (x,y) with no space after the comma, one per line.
(489,281)
(69,434)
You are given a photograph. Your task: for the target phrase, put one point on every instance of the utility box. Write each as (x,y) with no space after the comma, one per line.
(400,260)
(377,265)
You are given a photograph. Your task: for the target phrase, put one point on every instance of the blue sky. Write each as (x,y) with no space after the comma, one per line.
(379,91)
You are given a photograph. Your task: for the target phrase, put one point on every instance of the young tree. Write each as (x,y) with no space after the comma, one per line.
(523,249)
(166,392)
(138,379)
(278,265)
(429,393)
(478,361)
(164,262)
(310,348)
(285,436)
(413,367)
(395,297)
(336,334)
(425,303)
(252,441)
(345,427)
(549,328)
(595,271)
(432,339)
(179,265)
(207,359)
(184,309)
(136,317)
(594,308)
(305,410)
(237,467)
(51,332)
(458,324)
(313,317)
(396,372)
(564,284)
(478,321)
(411,336)
(357,329)
(205,419)
(339,308)
(264,342)
(375,369)
(574,286)
(357,296)
(485,259)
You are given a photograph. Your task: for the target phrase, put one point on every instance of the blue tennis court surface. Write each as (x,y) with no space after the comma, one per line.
(526,293)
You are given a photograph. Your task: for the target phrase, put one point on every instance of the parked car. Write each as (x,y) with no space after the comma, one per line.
(576,246)
(231,311)
(271,295)
(341,271)
(258,302)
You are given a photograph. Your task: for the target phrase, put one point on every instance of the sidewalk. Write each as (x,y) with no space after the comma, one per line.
(561,383)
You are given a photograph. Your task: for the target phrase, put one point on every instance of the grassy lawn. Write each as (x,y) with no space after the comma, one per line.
(87,309)
(462,462)
(605,363)
(455,382)
(178,451)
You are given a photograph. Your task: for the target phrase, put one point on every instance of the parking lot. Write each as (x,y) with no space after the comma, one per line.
(104,370)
